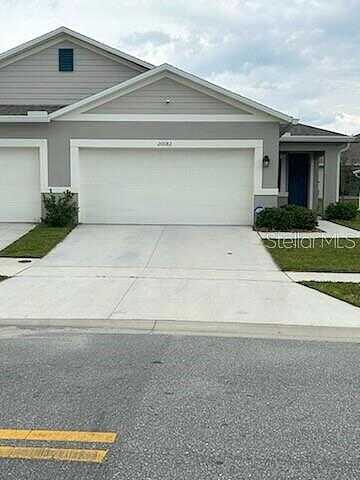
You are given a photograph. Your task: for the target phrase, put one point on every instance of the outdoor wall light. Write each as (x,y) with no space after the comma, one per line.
(266,161)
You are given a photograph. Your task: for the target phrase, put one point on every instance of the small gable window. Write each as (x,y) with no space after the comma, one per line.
(66,60)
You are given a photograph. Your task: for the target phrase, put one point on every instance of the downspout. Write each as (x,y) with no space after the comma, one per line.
(340,152)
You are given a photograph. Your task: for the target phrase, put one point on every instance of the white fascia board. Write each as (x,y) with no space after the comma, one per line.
(141,80)
(103,117)
(24,119)
(75,35)
(164,143)
(317,139)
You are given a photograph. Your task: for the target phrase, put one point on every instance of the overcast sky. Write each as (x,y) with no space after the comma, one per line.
(299,56)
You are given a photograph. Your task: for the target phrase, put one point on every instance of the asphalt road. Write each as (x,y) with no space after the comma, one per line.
(185,407)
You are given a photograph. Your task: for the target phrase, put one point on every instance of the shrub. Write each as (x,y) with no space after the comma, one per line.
(274,219)
(60,210)
(341,211)
(302,218)
(289,217)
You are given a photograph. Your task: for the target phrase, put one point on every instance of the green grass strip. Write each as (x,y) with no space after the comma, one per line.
(346,291)
(316,255)
(36,243)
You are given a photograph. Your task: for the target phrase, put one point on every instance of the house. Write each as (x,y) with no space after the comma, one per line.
(143,144)
(350,164)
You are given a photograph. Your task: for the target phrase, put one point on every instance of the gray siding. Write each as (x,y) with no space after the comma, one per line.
(265,201)
(151,99)
(36,79)
(60,133)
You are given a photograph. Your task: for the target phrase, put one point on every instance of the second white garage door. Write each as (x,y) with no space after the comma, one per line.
(182,186)
(20,198)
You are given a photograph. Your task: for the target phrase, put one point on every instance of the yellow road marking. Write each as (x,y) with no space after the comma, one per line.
(57,436)
(62,454)
(8,434)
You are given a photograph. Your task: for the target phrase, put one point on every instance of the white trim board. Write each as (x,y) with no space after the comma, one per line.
(163,144)
(317,138)
(103,117)
(41,144)
(24,119)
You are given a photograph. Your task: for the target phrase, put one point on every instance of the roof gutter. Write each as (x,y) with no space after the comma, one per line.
(317,139)
(30,117)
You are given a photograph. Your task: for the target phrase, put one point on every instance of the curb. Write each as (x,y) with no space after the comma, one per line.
(171,327)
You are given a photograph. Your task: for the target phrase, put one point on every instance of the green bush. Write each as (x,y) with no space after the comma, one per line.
(274,219)
(287,218)
(341,211)
(302,218)
(60,210)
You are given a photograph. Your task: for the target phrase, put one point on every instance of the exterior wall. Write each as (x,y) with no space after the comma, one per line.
(151,99)
(36,79)
(282,200)
(266,201)
(59,135)
(331,170)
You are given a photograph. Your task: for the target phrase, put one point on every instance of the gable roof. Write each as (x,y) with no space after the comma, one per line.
(307,133)
(170,71)
(302,129)
(61,32)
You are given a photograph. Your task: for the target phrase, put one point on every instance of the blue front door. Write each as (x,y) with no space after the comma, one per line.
(298,167)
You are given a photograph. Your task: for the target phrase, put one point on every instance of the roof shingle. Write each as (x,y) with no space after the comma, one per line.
(23,109)
(303,130)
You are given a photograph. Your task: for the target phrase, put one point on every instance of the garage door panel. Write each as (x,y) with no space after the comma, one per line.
(20,198)
(192,186)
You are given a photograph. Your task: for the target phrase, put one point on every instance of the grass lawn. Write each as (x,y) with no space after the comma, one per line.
(316,255)
(349,292)
(355,224)
(36,243)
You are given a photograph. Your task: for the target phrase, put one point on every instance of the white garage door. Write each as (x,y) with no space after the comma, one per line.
(181,186)
(20,199)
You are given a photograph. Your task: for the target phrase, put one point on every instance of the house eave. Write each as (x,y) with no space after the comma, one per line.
(317,139)
(24,119)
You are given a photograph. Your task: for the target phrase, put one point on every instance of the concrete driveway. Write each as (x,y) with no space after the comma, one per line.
(142,273)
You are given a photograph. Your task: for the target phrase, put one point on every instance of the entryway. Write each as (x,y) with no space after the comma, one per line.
(299,171)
